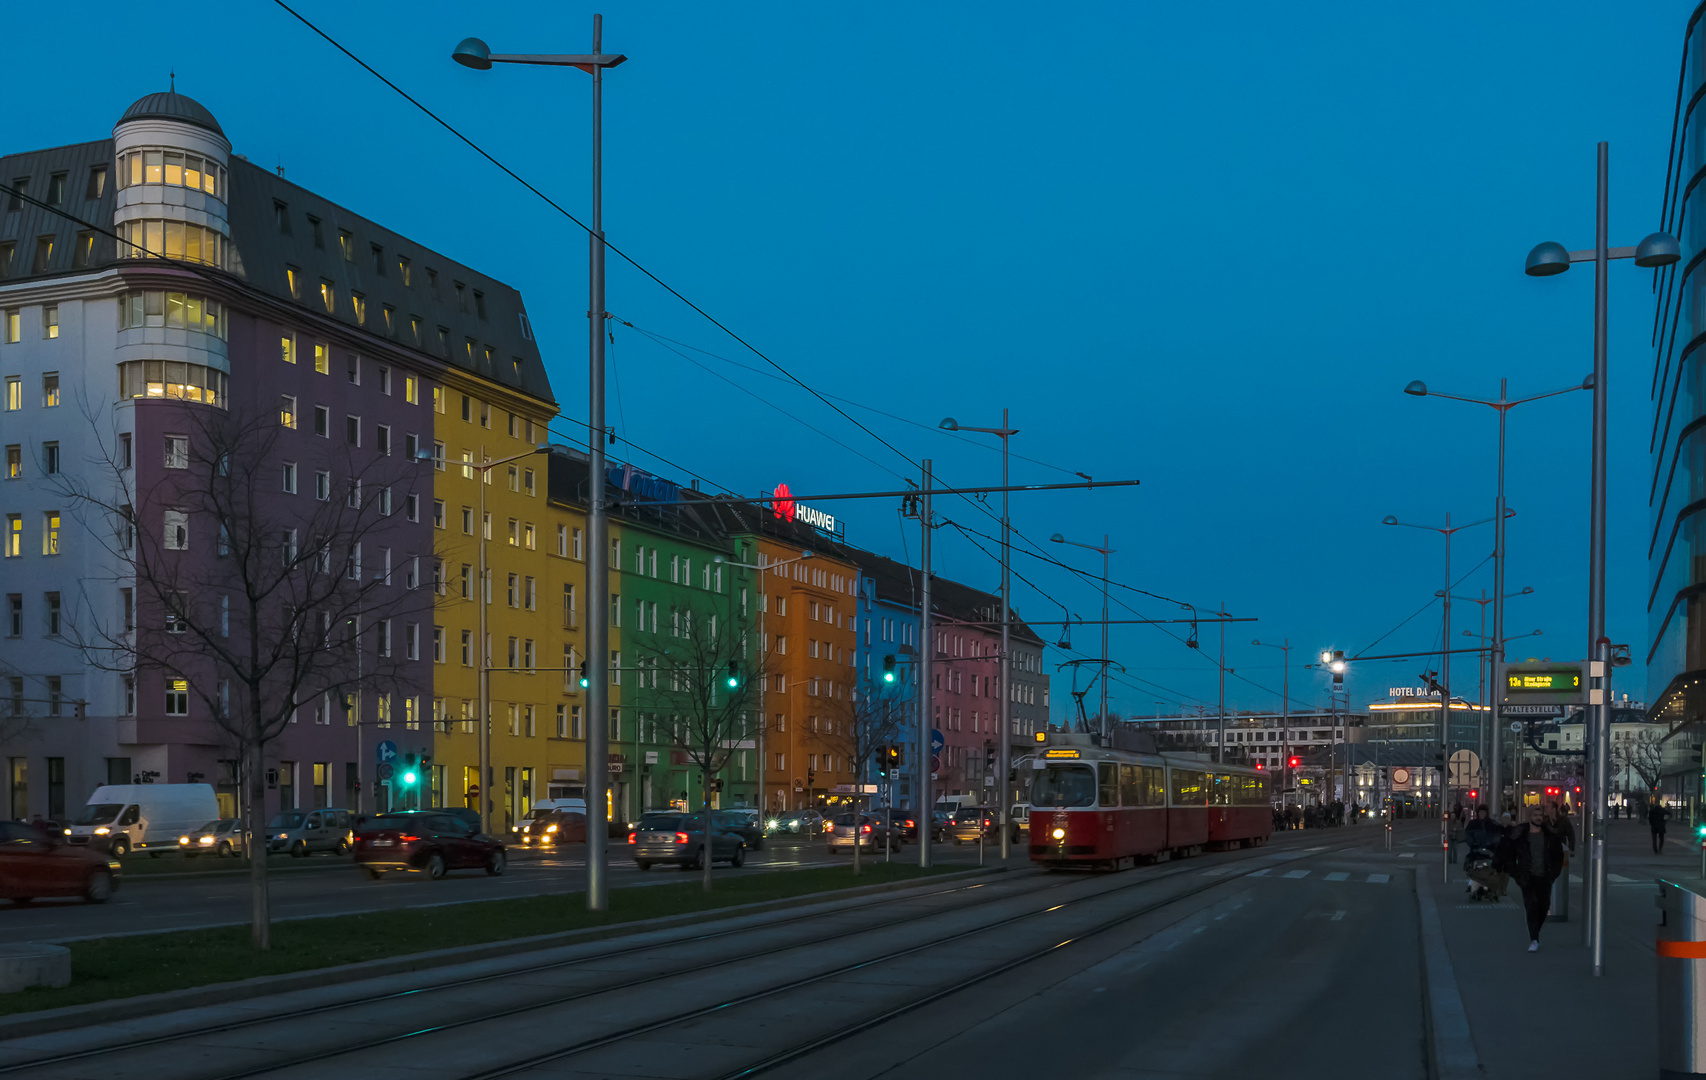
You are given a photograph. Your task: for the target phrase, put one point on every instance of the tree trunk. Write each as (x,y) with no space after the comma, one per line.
(710,841)
(856,835)
(255,780)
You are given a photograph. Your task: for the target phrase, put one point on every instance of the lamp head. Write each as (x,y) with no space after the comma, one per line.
(1526,589)
(1659,249)
(1590,382)
(1057,539)
(949,424)
(808,554)
(473,53)
(1389,520)
(718,559)
(1417,388)
(1547,259)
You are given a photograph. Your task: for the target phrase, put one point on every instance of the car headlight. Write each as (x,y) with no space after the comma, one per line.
(102,831)
(1059,834)
(550,828)
(67,832)
(282,836)
(206,841)
(183,839)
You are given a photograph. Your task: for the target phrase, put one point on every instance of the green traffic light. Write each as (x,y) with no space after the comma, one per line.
(409,779)
(888,676)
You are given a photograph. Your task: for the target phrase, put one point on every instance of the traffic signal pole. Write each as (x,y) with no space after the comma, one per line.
(926,658)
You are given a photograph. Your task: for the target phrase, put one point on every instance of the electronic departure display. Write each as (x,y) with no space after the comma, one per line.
(1559,681)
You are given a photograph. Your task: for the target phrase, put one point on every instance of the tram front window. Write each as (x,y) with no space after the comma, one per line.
(1063,785)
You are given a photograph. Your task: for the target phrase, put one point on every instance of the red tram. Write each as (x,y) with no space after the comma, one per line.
(1101,808)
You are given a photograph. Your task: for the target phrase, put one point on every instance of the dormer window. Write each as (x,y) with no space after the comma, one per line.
(281,217)
(346,244)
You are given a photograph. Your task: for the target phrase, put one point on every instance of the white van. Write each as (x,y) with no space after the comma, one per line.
(142,817)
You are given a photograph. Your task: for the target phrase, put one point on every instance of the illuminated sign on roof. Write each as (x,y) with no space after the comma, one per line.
(782,504)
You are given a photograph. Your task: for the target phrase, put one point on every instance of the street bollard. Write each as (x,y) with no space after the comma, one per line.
(1681,948)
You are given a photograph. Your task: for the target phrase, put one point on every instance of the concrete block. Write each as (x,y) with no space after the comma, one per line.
(29,963)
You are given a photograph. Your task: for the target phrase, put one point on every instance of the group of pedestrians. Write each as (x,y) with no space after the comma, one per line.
(1531,853)
(1312,816)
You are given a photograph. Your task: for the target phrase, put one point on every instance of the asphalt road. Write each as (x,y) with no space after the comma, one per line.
(147,903)
(1300,959)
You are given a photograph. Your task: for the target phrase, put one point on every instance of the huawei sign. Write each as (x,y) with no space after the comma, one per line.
(783,506)
(782,503)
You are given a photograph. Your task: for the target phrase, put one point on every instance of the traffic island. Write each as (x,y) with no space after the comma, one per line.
(30,963)
(186,968)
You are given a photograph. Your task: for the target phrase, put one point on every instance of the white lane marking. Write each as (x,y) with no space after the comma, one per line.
(1619,878)
(1407,855)
(1219,870)
(1338,916)
(1340,876)
(1379,879)
(1294,874)
(1263,872)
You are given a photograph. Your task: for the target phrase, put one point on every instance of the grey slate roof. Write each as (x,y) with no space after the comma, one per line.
(172,106)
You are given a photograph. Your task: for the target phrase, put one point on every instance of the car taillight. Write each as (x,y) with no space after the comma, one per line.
(681,838)
(909,823)
(866,829)
(631,838)
(407,839)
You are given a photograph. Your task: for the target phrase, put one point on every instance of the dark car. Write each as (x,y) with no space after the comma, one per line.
(797,822)
(33,864)
(667,836)
(903,822)
(553,827)
(744,824)
(429,841)
(467,813)
(971,824)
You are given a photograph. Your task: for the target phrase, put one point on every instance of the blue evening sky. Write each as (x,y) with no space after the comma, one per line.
(1203,246)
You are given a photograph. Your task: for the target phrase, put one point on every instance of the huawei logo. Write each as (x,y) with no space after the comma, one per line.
(782,502)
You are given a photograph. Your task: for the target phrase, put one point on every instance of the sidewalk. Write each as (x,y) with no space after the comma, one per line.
(1544,1014)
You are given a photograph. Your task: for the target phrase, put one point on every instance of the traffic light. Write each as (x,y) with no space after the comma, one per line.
(883,762)
(1293,762)
(733,676)
(893,756)
(583,675)
(811,778)
(988,757)
(409,775)
(1474,794)
(1259,766)
(888,668)
(1700,832)
(1337,667)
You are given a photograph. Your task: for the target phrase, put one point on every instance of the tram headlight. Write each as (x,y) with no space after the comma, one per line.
(1059,834)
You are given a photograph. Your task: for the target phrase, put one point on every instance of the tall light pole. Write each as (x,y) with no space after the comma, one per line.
(1502,406)
(474,53)
(1105,551)
(1481,678)
(1285,708)
(1444,736)
(926,671)
(1003,755)
(1545,260)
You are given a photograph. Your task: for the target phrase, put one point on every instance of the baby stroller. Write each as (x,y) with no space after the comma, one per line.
(1485,882)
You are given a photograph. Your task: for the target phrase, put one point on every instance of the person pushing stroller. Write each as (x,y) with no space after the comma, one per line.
(1482,835)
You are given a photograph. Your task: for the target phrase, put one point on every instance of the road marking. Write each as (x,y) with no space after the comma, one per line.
(1219,870)
(1338,916)
(1619,878)
(1379,879)
(1294,874)
(1341,876)
(1263,872)
(1406,855)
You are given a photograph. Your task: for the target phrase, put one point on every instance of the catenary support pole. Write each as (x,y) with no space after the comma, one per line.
(598,553)
(1594,819)
(926,661)
(1003,755)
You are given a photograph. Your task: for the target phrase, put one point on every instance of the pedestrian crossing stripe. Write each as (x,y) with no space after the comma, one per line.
(1619,878)
(1294,874)
(1340,876)
(1263,872)
(1379,879)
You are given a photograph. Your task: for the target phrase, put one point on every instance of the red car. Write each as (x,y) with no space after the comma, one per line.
(34,864)
(429,841)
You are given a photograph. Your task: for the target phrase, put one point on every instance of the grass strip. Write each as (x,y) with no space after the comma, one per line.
(109,968)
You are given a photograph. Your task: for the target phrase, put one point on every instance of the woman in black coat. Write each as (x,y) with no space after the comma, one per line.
(1533,854)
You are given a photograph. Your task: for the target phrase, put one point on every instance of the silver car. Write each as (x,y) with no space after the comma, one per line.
(303,832)
(871,831)
(664,837)
(223,837)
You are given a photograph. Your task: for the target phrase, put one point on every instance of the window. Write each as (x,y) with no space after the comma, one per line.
(411,390)
(384,380)
(293,278)
(328,296)
(352,498)
(127,601)
(467,521)
(44,254)
(563,541)
(358,304)
(14,461)
(14,393)
(56,189)
(166,238)
(50,390)
(50,321)
(323,485)
(15,615)
(97,186)
(281,217)
(287,411)
(177,697)
(467,648)
(82,250)
(346,244)
(163,379)
(49,458)
(322,358)
(177,530)
(438,513)
(288,470)
(322,421)
(527,486)
(568,607)
(172,168)
(52,599)
(12,323)
(403,269)
(14,535)
(177,451)
(480,303)
(382,439)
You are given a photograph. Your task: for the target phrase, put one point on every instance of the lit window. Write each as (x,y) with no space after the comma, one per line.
(50,390)
(171,379)
(50,321)
(293,278)
(50,533)
(287,411)
(328,297)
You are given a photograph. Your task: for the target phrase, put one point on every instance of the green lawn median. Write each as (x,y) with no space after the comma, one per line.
(120,967)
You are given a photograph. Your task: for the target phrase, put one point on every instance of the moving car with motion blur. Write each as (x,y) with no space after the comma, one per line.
(35,864)
(971,824)
(222,838)
(796,823)
(868,831)
(743,823)
(425,841)
(552,827)
(666,836)
(303,832)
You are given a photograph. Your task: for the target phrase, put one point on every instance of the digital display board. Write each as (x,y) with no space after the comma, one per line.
(1545,683)
(1559,681)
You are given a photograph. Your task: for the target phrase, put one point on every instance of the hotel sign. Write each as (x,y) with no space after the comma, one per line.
(782,504)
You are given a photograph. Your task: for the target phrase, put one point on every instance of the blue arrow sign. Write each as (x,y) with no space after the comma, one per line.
(936,740)
(386,752)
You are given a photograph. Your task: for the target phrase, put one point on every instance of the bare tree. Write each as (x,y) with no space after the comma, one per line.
(860,727)
(252,604)
(706,679)
(1642,754)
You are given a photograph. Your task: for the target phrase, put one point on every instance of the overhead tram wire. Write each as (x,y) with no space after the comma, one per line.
(1424,607)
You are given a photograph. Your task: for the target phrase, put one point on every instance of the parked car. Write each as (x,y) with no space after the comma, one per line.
(743,823)
(426,841)
(553,827)
(120,818)
(870,831)
(671,837)
(222,838)
(1020,821)
(34,863)
(971,824)
(797,823)
(303,832)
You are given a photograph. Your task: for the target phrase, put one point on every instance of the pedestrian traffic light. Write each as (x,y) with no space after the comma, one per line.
(583,675)
(733,675)
(888,668)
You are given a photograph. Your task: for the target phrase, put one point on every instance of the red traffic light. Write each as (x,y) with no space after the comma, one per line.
(1258,766)
(1473,794)
(1294,762)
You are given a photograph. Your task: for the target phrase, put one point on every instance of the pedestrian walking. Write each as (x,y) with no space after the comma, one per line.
(1533,854)
(1657,815)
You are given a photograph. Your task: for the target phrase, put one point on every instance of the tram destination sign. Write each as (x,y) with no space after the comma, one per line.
(1545,683)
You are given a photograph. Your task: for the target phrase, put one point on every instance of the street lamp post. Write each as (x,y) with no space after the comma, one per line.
(1502,406)
(1545,260)
(1447,530)
(1285,709)
(474,53)
(1481,677)
(1003,755)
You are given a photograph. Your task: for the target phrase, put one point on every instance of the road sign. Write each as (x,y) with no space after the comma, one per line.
(989,781)
(1464,768)
(384,772)
(1516,725)
(936,741)
(1532,710)
(799,785)
(615,768)
(386,751)
(935,767)
(854,789)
